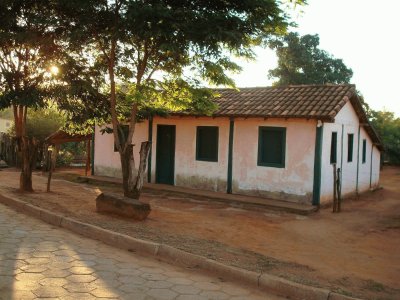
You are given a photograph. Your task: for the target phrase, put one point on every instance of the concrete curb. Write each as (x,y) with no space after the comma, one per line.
(265,282)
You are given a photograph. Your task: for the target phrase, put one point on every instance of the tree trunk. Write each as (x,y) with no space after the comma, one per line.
(132,179)
(144,153)
(127,162)
(28,152)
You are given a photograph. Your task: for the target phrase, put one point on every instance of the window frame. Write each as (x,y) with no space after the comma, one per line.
(350,147)
(364,151)
(198,157)
(333,155)
(260,163)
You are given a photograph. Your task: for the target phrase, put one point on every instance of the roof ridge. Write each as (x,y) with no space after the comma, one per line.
(287,86)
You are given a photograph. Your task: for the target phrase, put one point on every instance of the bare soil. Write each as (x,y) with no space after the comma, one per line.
(355,252)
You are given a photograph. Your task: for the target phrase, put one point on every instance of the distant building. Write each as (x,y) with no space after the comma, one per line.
(5,125)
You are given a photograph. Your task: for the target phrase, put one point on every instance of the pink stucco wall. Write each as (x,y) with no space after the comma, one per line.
(295,180)
(189,171)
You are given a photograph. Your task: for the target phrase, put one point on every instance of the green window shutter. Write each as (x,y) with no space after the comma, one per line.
(272,147)
(207,143)
(334,148)
(364,151)
(350,141)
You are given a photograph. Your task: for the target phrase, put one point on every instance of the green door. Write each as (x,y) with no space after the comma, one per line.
(165,156)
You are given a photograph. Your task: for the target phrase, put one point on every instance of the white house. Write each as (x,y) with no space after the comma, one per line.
(276,142)
(5,125)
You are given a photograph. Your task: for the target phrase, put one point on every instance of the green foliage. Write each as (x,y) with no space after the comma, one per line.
(77,148)
(64,158)
(32,41)
(388,127)
(43,122)
(141,40)
(169,95)
(300,61)
(81,92)
(69,151)
(27,51)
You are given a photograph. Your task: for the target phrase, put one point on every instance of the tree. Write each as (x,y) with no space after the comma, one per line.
(300,61)
(43,122)
(145,47)
(388,128)
(27,51)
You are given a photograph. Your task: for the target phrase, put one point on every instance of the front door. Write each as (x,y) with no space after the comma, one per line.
(165,156)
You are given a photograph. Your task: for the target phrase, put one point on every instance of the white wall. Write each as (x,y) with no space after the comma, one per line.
(376,163)
(106,161)
(5,125)
(365,168)
(347,122)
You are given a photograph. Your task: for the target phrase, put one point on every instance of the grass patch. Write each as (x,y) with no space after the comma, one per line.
(391,222)
(374,286)
(67,176)
(343,292)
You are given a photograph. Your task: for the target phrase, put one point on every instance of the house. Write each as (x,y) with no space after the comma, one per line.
(276,142)
(5,125)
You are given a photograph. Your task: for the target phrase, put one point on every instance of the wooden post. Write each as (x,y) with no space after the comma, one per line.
(53,158)
(45,158)
(50,160)
(56,149)
(339,190)
(334,188)
(87,166)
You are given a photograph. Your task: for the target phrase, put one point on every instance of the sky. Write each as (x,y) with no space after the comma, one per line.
(364,33)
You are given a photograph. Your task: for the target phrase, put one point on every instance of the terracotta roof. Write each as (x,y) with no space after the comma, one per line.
(302,101)
(321,102)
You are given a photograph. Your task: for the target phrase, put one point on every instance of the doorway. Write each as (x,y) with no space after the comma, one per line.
(165,155)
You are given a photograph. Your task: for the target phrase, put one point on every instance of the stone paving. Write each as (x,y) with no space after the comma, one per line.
(39,261)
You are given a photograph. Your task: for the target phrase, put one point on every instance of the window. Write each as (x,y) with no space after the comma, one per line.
(272,146)
(350,140)
(364,151)
(207,143)
(334,148)
(125,132)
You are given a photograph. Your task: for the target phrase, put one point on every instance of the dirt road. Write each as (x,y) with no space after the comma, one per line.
(356,252)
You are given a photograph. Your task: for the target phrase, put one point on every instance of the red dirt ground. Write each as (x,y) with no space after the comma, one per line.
(356,252)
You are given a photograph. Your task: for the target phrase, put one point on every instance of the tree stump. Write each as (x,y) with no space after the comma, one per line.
(122,206)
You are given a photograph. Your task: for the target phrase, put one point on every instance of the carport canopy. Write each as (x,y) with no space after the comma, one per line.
(61,137)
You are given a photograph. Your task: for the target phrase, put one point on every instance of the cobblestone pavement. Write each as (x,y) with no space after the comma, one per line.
(39,261)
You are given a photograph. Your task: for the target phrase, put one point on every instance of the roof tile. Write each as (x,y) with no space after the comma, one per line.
(310,101)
